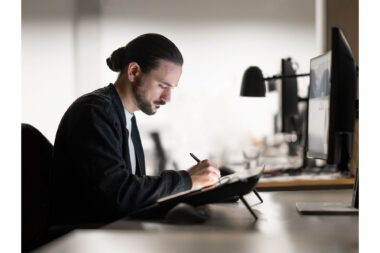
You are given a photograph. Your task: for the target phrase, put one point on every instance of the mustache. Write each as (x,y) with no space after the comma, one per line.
(159,102)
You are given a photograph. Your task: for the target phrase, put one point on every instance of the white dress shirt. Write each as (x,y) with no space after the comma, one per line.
(132,155)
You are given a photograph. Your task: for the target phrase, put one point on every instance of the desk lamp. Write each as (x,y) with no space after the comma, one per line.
(253,84)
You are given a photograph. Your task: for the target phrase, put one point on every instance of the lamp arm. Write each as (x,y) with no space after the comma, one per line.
(282,77)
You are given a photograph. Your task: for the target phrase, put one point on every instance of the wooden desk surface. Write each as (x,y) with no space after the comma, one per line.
(341,183)
(280,228)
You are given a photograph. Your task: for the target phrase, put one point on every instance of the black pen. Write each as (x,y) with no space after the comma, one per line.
(195,158)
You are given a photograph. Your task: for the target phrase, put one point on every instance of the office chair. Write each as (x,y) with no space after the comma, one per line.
(36,164)
(36,161)
(159,152)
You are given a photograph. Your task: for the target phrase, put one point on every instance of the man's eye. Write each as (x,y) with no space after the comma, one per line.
(162,86)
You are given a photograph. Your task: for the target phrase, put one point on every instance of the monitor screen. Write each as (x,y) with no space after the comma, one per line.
(319,105)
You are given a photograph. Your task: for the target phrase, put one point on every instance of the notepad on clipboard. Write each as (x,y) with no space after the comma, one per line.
(237,184)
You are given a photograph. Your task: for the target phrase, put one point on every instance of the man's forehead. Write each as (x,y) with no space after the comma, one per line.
(168,73)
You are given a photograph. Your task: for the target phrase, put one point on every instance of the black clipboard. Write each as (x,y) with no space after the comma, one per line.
(230,186)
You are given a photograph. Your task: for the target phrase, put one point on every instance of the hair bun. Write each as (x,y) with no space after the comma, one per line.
(114,62)
(110,65)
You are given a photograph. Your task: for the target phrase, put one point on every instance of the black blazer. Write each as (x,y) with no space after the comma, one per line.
(91,179)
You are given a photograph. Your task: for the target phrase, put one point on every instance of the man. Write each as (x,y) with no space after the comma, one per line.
(99,169)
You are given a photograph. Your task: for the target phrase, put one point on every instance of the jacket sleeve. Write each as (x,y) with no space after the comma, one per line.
(98,154)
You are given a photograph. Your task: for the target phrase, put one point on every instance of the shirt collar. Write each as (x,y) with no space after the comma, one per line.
(128,115)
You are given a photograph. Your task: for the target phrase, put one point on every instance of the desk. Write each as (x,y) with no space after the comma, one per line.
(231,228)
(341,183)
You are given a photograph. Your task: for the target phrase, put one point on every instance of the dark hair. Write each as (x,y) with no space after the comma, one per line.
(146,50)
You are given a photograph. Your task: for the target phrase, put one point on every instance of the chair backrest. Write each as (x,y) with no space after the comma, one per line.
(36,155)
(159,152)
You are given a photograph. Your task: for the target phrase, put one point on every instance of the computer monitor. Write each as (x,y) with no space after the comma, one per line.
(288,99)
(331,115)
(291,116)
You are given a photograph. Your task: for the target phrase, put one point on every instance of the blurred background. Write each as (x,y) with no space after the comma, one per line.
(65,45)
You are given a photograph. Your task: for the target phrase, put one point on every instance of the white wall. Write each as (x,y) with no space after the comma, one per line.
(218,39)
(47,82)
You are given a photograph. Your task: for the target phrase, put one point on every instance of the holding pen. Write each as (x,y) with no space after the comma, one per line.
(198,161)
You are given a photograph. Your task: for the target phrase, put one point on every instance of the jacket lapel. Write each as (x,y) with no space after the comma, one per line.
(118,105)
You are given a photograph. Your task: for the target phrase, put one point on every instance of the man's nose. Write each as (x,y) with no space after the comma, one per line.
(166,95)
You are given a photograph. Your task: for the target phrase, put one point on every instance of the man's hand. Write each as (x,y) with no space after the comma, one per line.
(203,174)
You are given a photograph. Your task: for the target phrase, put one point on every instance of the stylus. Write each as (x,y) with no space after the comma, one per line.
(195,158)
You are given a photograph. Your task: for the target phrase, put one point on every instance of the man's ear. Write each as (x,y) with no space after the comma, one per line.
(133,71)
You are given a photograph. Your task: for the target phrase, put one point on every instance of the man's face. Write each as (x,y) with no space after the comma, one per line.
(154,88)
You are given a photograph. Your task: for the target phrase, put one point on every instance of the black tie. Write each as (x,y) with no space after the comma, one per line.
(140,163)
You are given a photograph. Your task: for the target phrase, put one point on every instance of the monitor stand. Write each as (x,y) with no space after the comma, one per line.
(326,208)
(333,208)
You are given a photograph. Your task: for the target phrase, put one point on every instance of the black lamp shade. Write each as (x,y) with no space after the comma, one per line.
(253,83)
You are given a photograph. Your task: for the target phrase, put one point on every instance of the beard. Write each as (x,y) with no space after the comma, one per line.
(144,105)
